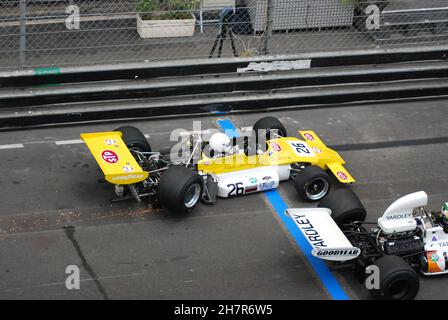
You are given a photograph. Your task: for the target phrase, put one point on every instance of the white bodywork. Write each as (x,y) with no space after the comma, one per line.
(242,182)
(323,234)
(402,216)
(436,248)
(398,217)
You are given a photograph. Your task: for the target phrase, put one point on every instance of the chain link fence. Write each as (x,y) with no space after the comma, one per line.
(47,33)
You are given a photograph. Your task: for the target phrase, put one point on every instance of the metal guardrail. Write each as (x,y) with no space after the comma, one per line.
(26,99)
(58,33)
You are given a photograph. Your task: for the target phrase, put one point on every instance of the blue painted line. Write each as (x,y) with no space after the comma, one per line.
(330,283)
(228,128)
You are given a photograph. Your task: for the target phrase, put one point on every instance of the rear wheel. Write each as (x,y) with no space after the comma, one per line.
(134,139)
(270,125)
(312,183)
(398,281)
(345,206)
(180,189)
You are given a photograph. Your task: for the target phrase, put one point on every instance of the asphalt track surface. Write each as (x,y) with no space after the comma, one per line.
(55,212)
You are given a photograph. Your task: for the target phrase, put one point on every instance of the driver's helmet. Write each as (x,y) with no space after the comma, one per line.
(220,142)
(445,211)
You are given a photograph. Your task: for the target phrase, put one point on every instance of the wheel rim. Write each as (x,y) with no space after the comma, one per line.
(398,289)
(192,195)
(317,188)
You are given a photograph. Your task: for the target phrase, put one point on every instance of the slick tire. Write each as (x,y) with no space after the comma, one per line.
(180,189)
(270,124)
(345,206)
(398,281)
(134,139)
(312,183)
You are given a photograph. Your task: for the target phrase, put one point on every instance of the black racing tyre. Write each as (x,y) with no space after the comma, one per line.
(134,139)
(345,206)
(180,189)
(312,183)
(398,281)
(270,124)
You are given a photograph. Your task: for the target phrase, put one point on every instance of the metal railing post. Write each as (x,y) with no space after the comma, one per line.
(22,49)
(269,26)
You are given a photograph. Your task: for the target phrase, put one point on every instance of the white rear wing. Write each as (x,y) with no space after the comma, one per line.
(324,235)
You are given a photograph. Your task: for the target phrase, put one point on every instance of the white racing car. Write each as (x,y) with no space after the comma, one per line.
(407,239)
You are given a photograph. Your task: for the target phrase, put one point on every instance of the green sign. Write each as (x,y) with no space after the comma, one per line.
(47,71)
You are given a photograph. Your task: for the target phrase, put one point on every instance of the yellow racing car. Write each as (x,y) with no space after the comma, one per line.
(216,167)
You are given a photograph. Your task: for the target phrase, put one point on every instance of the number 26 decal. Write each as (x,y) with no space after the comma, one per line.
(237,189)
(301,148)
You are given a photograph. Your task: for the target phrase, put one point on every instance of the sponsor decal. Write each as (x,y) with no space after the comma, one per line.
(109,156)
(399,216)
(128,169)
(309,136)
(309,231)
(434,239)
(128,177)
(434,258)
(110,142)
(251,189)
(253,180)
(443,244)
(267,178)
(342,175)
(267,185)
(316,149)
(275,147)
(352,252)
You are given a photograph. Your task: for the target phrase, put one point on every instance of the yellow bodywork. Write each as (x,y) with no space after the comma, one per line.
(114,158)
(283,151)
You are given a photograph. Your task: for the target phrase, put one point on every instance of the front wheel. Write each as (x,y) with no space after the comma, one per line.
(180,189)
(312,183)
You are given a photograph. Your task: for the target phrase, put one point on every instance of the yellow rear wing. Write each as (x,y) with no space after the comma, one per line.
(114,157)
(336,165)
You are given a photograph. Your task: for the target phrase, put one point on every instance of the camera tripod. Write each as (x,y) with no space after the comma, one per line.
(225,29)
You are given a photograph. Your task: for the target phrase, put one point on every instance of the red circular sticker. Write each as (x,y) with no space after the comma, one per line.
(309,136)
(276,147)
(342,175)
(109,156)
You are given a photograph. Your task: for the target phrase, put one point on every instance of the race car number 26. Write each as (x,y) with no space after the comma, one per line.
(237,189)
(301,149)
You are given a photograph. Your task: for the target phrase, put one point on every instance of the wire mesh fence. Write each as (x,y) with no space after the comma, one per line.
(46,33)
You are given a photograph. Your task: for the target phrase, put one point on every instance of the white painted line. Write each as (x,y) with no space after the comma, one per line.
(63,20)
(65,142)
(200,132)
(11,146)
(246,129)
